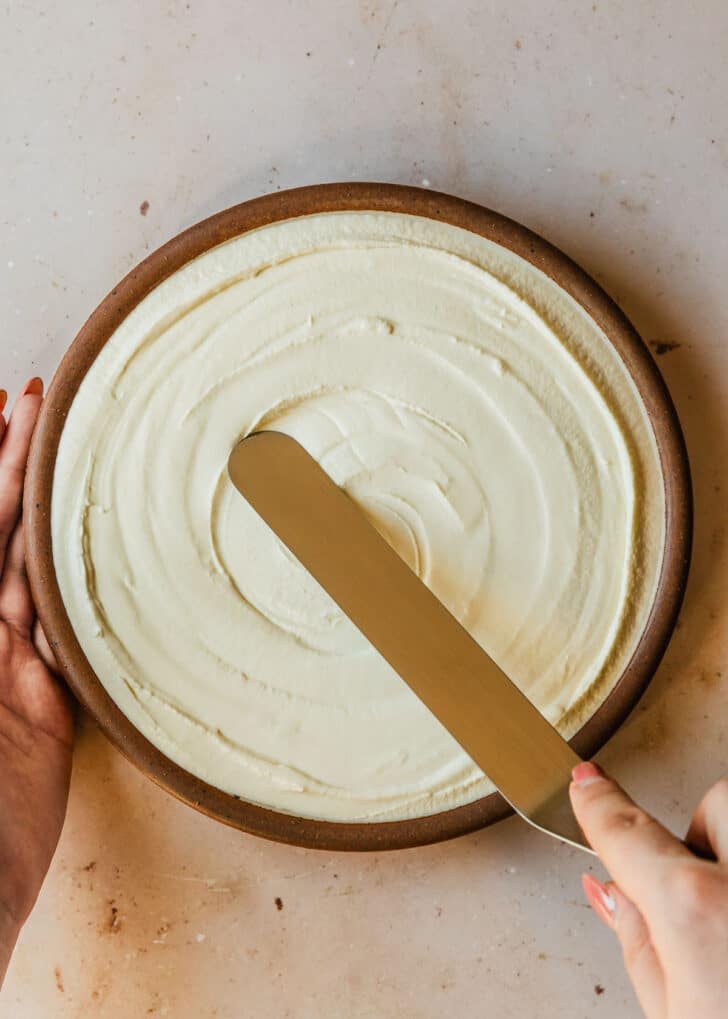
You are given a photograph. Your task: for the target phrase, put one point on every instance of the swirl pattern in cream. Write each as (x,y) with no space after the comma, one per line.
(473,410)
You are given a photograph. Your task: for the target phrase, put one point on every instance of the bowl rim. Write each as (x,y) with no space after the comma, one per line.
(223,226)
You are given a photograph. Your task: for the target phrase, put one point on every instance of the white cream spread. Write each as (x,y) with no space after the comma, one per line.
(470,406)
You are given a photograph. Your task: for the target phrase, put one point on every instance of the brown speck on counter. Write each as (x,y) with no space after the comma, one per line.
(144,208)
(112,924)
(59,979)
(279,903)
(598,989)
(661,347)
(90,866)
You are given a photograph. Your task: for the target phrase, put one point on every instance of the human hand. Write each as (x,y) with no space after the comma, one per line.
(667,906)
(36,723)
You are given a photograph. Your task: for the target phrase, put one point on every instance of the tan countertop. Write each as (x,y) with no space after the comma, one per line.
(601,125)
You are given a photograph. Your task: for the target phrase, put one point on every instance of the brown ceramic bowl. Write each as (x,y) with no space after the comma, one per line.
(169,258)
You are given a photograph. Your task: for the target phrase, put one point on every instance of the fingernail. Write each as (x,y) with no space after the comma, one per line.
(586,773)
(3,399)
(600,898)
(33,387)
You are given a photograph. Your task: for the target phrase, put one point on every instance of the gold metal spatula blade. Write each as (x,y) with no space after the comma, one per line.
(462,686)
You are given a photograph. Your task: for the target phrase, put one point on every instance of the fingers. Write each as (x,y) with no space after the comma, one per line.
(3,401)
(630,843)
(13,456)
(16,602)
(640,958)
(708,831)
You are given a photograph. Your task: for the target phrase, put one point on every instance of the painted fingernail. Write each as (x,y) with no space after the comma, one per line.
(586,773)
(600,898)
(3,399)
(33,387)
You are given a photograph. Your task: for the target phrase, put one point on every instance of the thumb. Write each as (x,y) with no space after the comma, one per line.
(640,959)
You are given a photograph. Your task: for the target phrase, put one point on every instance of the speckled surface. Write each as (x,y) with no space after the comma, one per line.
(601,126)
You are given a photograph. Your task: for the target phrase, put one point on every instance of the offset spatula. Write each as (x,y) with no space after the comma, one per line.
(461,685)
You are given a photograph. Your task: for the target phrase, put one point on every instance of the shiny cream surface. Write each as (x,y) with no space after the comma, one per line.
(468,404)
